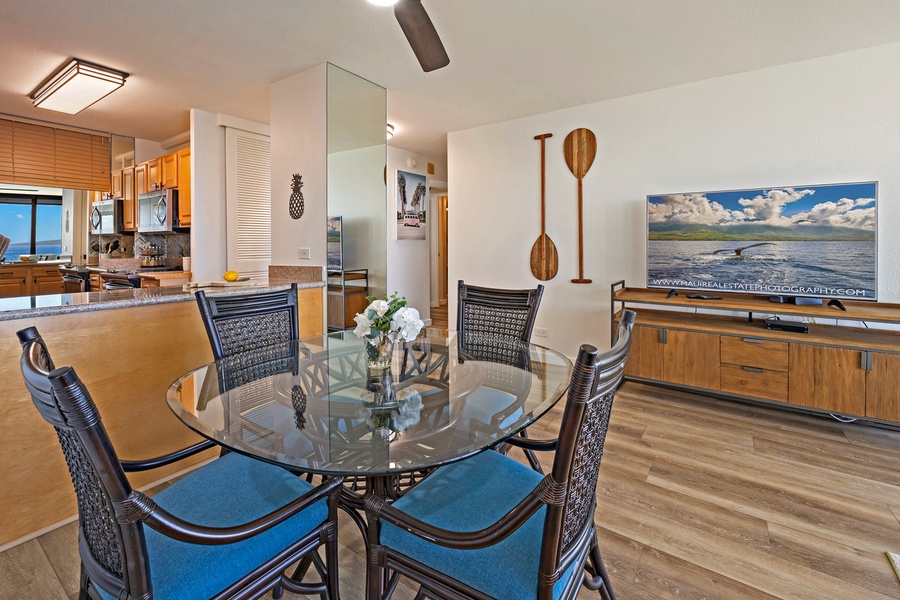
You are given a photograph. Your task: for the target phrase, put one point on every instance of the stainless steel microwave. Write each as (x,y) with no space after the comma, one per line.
(106,217)
(156,211)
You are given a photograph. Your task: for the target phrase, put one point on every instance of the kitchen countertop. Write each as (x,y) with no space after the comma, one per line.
(57,304)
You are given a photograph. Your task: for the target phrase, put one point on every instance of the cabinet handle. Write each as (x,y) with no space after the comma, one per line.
(663,336)
(754,369)
(753,340)
(865,362)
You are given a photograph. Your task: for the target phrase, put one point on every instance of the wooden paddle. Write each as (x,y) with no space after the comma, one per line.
(544,258)
(580,148)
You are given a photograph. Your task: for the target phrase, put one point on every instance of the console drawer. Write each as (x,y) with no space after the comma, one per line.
(753,381)
(755,352)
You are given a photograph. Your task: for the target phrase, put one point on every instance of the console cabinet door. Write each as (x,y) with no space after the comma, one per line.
(645,359)
(883,387)
(691,358)
(827,378)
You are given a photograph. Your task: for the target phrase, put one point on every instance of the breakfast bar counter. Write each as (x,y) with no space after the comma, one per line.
(128,346)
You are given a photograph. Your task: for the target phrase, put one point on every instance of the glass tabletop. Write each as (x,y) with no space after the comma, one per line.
(313,405)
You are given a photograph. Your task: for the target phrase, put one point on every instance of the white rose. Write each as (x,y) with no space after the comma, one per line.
(363,325)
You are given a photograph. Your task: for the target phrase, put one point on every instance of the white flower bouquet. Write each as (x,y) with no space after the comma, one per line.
(390,318)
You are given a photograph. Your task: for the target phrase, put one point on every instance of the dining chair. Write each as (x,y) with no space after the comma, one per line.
(489,527)
(486,316)
(229,529)
(249,321)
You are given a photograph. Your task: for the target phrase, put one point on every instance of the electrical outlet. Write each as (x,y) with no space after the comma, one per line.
(304,253)
(540,332)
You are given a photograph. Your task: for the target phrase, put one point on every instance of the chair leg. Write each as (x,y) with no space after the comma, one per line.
(531,456)
(83,589)
(277,592)
(605,588)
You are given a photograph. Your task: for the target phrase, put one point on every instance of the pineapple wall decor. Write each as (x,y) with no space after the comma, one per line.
(295,205)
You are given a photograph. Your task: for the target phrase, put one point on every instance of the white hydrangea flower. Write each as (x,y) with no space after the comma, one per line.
(406,324)
(380,307)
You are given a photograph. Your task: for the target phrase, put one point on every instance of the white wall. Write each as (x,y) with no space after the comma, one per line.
(207,196)
(409,265)
(299,145)
(828,120)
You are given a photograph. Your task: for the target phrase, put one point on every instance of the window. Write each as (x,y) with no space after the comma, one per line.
(33,224)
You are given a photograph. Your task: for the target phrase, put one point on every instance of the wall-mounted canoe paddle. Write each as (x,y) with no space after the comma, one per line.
(544,258)
(580,148)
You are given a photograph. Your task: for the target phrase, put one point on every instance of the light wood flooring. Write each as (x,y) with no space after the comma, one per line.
(439,317)
(698,498)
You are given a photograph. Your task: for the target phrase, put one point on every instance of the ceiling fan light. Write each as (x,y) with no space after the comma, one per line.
(383,2)
(77,85)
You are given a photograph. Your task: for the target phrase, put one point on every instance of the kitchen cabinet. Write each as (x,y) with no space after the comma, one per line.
(170,170)
(184,187)
(129,200)
(45,280)
(117,184)
(141,179)
(13,281)
(154,174)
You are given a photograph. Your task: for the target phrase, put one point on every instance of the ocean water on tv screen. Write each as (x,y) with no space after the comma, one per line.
(833,269)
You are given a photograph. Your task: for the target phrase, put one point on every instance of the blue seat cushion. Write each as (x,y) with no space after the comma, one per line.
(229,491)
(468,496)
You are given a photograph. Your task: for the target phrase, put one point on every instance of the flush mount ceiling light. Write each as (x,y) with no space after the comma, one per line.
(383,2)
(390,128)
(77,85)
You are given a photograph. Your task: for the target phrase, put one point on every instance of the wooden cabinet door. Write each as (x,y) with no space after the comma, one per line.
(184,187)
(827,378)
(170,170)
(141,180)
(691,358)
(129,200)
(883,387)
(13,282)
(46,280)
(154,174)
(645,359)
(117,184)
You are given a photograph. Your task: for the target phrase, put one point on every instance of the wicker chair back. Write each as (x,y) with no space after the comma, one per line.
(499,313)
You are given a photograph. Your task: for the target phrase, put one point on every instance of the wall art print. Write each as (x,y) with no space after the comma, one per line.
(412,198)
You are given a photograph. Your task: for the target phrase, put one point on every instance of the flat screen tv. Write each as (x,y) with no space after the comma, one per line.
(814,241)
(334,245)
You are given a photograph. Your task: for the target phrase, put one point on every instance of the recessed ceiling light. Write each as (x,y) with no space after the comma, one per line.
(383,2)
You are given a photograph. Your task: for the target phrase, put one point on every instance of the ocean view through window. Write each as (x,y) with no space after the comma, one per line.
(33,224)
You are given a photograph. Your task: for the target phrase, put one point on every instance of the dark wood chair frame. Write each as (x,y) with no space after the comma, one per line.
(104,491)
(569,534)
(503,314)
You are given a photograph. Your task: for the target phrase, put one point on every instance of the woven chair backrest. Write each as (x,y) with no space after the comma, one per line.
(582,435)
(240,323)
(501,313)
(97,476)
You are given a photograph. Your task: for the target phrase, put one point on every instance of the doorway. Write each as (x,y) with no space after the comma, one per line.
(442,210)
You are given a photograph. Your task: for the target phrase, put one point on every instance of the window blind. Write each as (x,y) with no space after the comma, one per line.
(39,155)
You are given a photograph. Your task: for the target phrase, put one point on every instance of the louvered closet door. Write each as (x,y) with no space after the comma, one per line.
(248,166)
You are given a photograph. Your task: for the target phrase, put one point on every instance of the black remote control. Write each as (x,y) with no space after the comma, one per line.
(704,297)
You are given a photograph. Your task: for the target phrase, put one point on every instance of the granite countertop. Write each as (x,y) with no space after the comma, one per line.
(59,304)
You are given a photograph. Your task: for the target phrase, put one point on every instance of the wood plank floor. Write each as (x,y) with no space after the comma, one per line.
(698,498)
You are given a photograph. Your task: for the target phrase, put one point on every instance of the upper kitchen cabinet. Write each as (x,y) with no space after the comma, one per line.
(154,174)
(184,187)
(170,170)
(129,200)
(117,184)
(141,179)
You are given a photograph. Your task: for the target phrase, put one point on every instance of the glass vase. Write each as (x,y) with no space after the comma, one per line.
(378,354)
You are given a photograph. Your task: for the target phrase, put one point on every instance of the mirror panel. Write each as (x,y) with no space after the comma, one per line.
(357,156)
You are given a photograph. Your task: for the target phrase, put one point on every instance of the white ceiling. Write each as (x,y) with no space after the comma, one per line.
(509,58)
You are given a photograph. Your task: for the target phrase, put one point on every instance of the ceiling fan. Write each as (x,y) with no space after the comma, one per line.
(421,34)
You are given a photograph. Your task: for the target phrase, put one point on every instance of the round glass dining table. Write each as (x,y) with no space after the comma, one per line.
(313,405)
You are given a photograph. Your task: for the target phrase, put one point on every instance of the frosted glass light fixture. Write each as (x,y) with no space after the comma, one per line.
(77,85)
(383,2)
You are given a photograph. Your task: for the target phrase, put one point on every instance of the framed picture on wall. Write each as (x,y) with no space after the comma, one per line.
(411,203)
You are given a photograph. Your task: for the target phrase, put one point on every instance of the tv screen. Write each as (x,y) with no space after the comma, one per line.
(806,241)
(334,245)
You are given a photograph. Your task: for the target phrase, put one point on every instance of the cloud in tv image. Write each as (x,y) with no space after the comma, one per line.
(817,240)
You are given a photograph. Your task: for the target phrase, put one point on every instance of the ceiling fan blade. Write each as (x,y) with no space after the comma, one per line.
(421,34)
